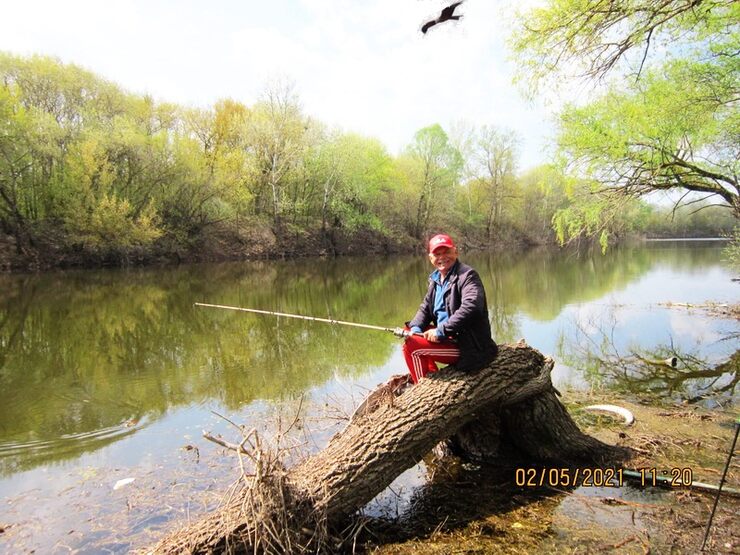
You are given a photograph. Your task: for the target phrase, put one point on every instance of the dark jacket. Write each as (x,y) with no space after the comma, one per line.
(465,301)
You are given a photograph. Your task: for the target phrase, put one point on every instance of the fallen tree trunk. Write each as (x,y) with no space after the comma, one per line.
(509,404)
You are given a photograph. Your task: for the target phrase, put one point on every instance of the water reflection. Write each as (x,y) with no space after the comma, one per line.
(88,351)
(663,372)
(541,282)
(83,354)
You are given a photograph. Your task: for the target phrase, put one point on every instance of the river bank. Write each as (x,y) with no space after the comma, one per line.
(226,243)
(216,244)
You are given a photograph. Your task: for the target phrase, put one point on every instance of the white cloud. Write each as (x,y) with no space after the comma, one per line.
(696,328)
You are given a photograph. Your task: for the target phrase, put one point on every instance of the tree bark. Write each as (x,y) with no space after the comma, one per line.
(509,404)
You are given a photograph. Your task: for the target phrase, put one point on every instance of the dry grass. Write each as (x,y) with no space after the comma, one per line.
(262,512)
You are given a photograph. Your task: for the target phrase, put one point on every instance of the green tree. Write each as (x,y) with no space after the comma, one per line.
(275,145)
(674,129)
(312,182)
(75,162)
(543,192)
(213,168)
(93,206)
(489,197)
(671,127)
(700,220)
(592,215)
(18,143)
(495,155)
(364,175)
(438,166)
(590,38)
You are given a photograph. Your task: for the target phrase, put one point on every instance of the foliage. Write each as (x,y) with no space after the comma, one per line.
(104,174)
(671,130)
(543,192)
(364,175)
(437,167)
(732,251)
(589,38)
(495,158)
(698,220)
(111,226)
(588,215)
(275,134)
(670,127)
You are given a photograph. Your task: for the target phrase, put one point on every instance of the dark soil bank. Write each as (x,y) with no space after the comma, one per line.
(46,252)
(216,244)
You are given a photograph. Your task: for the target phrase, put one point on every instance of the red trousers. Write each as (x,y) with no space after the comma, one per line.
(421,355)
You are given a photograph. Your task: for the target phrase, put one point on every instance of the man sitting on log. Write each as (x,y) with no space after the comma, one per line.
(451,325)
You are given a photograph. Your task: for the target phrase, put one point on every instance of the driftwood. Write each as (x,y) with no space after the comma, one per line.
(508,407)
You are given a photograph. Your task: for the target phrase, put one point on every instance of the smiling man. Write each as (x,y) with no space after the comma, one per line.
(451,325)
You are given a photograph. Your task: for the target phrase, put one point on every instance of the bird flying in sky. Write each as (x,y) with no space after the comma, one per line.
(446,15)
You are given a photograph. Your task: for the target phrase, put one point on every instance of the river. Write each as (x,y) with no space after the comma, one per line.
(112,374)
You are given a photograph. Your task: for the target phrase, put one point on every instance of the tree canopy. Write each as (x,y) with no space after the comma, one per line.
(91,173)
(110,175)
(676,128)
(591,38)
(666,121)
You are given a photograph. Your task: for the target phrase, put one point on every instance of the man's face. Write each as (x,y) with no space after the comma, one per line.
(443,258)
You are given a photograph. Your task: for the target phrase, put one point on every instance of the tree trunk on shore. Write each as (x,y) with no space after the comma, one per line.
(507,405)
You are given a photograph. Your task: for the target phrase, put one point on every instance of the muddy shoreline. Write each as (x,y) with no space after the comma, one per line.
(619,518)
(222,244)
(218,244)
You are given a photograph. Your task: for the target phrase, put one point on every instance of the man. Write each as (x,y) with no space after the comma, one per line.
(451,325)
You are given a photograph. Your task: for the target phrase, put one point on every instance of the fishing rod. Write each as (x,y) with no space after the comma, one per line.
(398,332)
(721,483)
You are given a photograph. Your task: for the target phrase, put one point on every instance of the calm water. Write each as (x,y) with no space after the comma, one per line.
(113,374)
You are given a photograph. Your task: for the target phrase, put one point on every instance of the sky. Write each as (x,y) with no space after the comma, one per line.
(363,66)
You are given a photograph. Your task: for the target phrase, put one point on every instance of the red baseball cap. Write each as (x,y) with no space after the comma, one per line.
(440,240)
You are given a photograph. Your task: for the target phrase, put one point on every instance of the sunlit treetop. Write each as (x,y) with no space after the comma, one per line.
(591,38)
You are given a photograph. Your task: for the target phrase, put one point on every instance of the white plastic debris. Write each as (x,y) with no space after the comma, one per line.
(629,418)
(123,482)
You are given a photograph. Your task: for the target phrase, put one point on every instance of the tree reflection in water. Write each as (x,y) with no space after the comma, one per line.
(664,371)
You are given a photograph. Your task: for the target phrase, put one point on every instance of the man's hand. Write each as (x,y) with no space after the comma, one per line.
(431,336)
